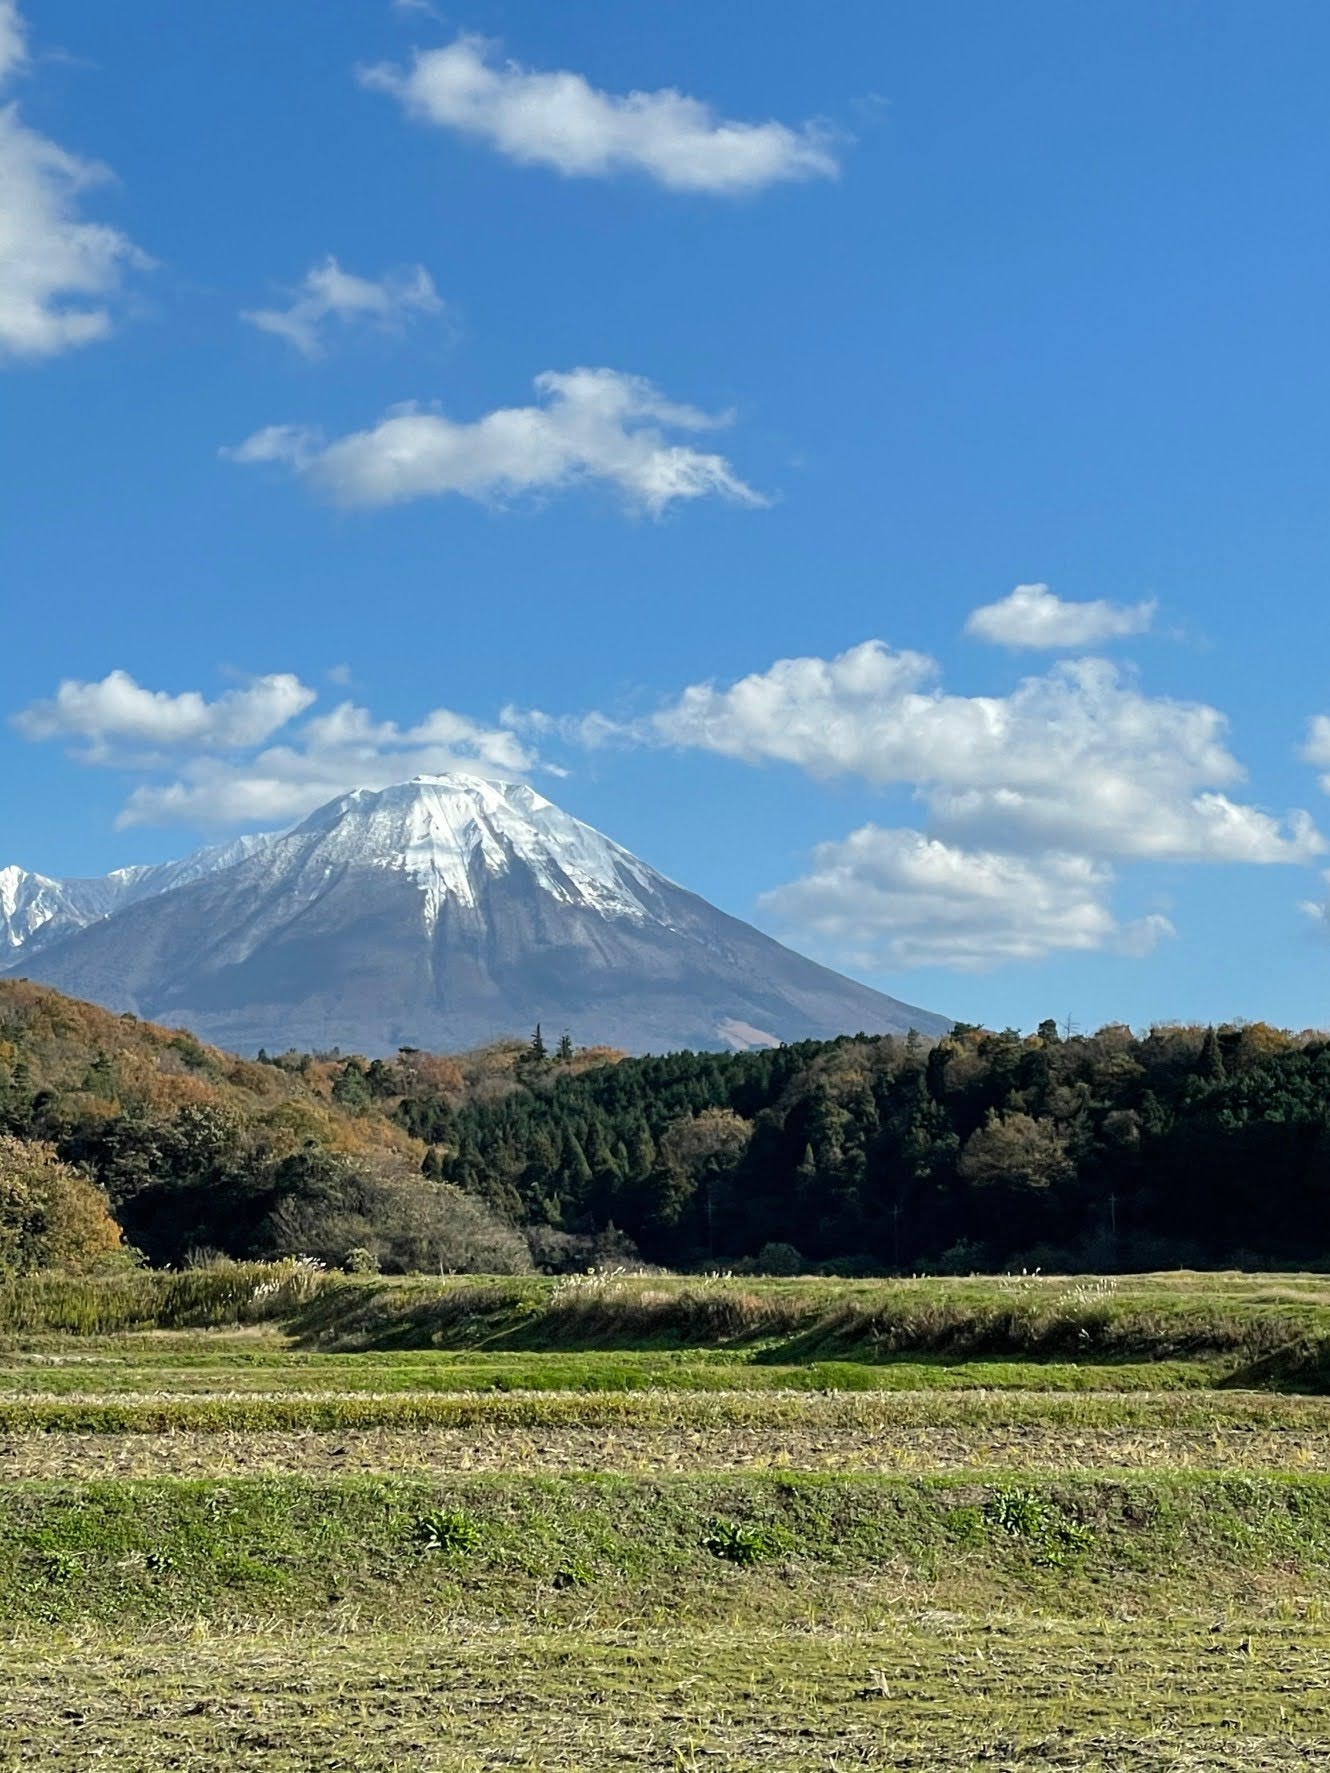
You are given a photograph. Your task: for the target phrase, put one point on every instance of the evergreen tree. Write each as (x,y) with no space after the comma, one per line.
(564,1051)
(537,1049)
(1210,1060)
(351,1088)
(382,1080)
(935,1070)
(574,1170)
(641,1148)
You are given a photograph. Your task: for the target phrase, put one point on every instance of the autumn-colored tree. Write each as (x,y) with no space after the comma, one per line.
(705,1144)
(51,1216)
(1017,1150)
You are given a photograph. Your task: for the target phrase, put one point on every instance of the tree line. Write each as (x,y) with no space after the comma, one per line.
(1182,1146)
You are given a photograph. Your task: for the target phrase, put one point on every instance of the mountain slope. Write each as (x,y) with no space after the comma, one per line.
(442,913)
(36,910)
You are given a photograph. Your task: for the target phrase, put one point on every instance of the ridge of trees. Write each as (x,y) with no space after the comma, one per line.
(1182,1146)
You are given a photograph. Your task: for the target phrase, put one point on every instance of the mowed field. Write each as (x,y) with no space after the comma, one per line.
(274,1519)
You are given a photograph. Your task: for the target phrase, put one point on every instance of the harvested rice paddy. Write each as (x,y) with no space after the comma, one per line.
(725,1525)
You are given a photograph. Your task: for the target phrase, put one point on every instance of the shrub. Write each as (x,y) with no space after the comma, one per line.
(448,1530)
(744,1542)
(403,1223)
(780,1259)
(1053,1533)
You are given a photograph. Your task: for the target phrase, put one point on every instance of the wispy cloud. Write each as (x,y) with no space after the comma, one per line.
(560,120)
(13,40)
(328,293)
(590,426)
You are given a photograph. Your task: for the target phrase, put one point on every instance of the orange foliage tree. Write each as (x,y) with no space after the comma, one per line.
(51,1216)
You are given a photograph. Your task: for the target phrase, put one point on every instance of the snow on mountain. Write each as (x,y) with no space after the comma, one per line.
(143,882)
(442,912)
(30,903)
(440,830)
(36,909)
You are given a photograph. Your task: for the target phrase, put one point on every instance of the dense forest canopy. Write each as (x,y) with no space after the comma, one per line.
(1183,1146)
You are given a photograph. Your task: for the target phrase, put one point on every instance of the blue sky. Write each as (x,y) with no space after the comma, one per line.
(893,317)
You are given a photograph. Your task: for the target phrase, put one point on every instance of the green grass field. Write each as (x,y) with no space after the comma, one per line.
(292,1521)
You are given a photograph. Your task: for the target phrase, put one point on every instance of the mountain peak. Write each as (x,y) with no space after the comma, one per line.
(443,911)
(448,833)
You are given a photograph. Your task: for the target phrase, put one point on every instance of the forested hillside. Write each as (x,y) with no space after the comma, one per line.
(1184,1146)
(1181,1147)
(198,1151)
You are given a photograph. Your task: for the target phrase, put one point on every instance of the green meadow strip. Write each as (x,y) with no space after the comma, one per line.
(32,1388)
(115,1551)
(924,1693)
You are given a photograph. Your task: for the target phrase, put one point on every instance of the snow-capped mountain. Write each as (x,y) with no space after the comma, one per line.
(36,910)
(443,912)
(31,904)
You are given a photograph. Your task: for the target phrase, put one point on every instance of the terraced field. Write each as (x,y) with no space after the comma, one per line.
(281,1520)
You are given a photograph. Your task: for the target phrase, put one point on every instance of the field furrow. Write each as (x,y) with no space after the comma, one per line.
(826,1445)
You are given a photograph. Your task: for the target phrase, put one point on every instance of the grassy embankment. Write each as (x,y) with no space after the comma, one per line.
(1244,1319)
(664,1523)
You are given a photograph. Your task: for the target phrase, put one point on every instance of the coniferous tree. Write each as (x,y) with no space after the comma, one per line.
(1210,1062)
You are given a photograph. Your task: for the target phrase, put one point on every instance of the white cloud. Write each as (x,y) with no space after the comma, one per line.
(1318,910)
(13,40)
(1075,760)
(561,120)
(896,898)
(1030,799)
(591,425)
(1316,747)
(56,269)
(209,763)
(1031,616)
(117,709)
(331,754)
(330,293)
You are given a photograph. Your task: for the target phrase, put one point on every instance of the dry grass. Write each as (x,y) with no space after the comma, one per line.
(930,1694)
(658,1433)
(1129,1318)
(1130,1614)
